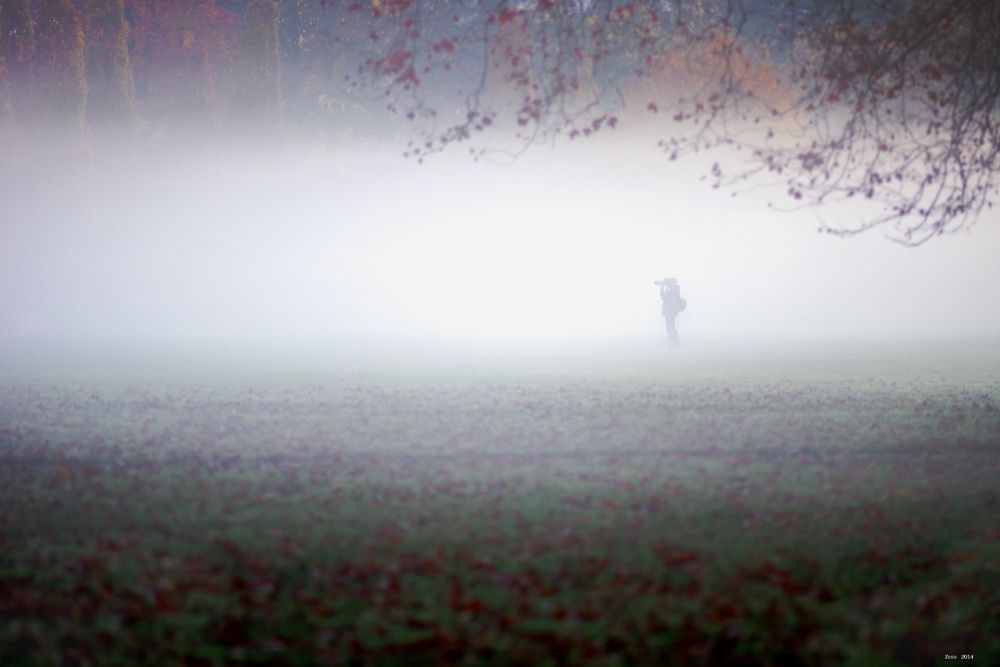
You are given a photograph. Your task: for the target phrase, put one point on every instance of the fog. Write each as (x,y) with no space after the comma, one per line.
(562,243)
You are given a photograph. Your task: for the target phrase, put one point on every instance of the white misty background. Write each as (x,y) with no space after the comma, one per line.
(562,243)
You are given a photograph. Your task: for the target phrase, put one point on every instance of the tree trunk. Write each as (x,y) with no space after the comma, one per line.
(17,46)
(60,66)
(261,56)
(109,67)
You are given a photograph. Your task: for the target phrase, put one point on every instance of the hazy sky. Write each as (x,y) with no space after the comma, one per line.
(565,242)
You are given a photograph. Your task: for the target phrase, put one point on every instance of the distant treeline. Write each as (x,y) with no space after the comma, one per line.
(154,66)
(128,65)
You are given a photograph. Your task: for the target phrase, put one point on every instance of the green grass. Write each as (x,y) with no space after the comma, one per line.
(646,510)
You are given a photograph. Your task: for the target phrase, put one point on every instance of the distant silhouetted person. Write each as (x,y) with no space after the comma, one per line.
(673,303)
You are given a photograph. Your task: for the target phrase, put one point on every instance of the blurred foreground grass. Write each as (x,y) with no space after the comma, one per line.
(655,510)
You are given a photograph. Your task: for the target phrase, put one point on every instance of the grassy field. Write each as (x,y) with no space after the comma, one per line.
(820,505)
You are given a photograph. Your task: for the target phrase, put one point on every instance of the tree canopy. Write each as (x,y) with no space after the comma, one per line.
(886,100)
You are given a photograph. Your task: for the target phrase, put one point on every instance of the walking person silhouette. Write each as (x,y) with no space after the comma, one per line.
(673,304)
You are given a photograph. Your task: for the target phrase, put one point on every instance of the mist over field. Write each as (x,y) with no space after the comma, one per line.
(249,241)
(413,332)
(294,406)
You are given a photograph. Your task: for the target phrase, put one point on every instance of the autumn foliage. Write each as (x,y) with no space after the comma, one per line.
(693,81)
(895,103)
